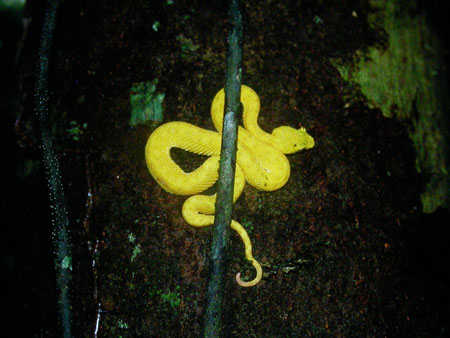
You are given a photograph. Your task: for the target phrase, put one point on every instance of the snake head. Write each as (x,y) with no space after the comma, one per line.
(290,140)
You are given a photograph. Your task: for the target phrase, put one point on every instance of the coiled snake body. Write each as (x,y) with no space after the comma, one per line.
(260,161)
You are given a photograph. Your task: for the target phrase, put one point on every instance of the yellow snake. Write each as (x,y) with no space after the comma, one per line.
(260,161)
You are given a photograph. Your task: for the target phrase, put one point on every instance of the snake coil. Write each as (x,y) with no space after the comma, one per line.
(260,161)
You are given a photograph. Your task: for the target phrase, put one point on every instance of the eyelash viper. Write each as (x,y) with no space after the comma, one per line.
(260,161)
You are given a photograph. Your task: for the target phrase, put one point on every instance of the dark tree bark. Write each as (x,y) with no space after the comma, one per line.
(224,202)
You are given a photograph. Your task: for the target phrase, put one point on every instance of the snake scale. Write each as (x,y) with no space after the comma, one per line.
(260,161)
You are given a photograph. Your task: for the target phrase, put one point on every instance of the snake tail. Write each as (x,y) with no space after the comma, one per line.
(248,254)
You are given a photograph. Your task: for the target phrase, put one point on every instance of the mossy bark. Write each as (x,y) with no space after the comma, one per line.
(407,80)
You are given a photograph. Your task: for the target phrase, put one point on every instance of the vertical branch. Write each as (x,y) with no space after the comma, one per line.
(224,202)
(63,263)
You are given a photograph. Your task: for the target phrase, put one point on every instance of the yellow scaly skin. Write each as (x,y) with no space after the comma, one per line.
(260,161)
